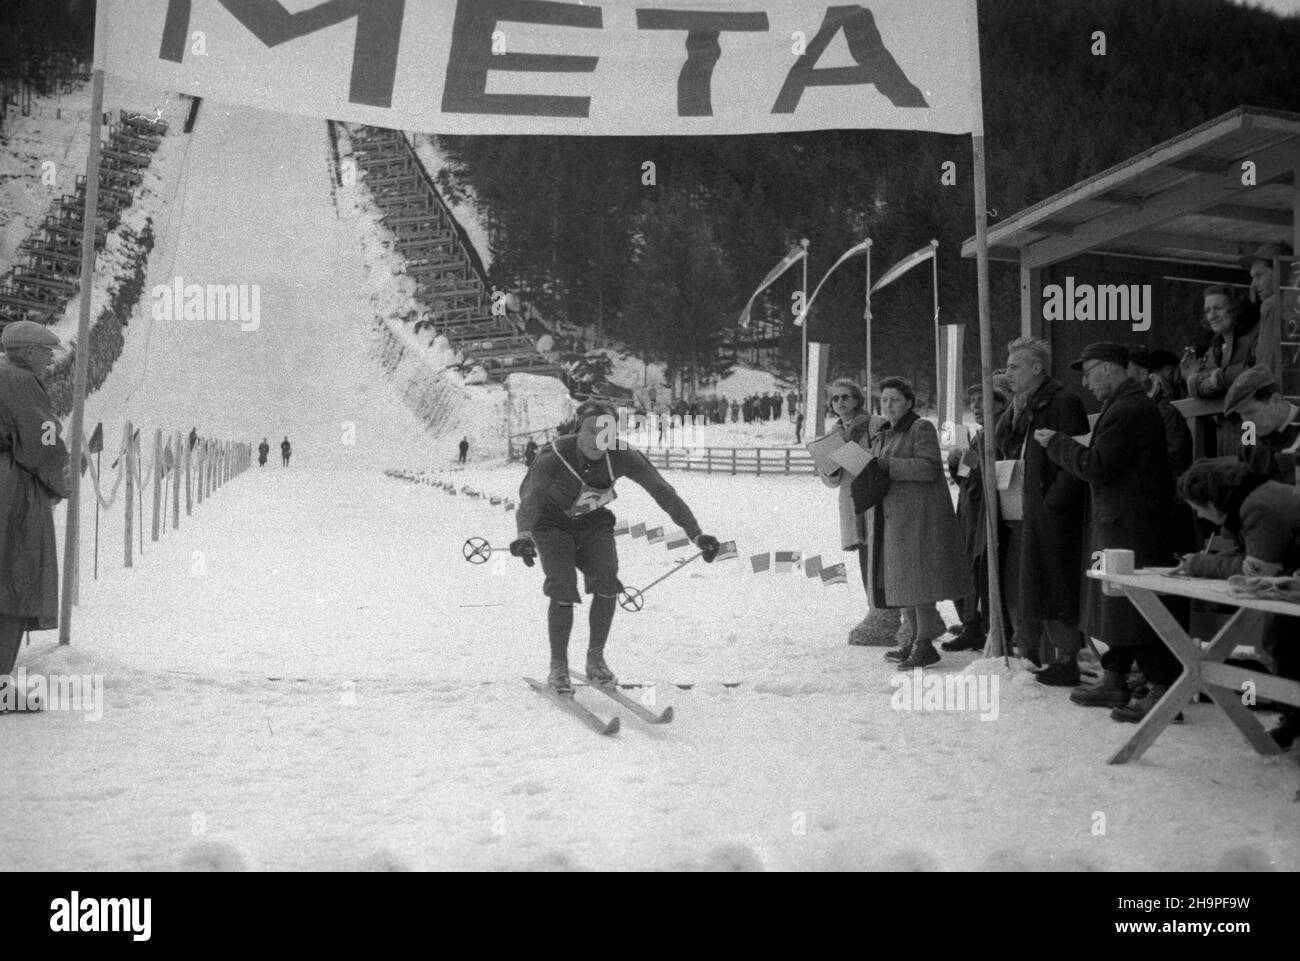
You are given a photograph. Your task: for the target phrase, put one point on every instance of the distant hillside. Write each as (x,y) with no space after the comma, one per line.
(575,232)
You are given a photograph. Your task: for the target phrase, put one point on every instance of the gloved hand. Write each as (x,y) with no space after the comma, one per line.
(524,548)
(709,545)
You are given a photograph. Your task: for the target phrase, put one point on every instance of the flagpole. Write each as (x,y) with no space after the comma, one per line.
(804,316)
(71,550)
(995,645)
(866,387)
(938,355)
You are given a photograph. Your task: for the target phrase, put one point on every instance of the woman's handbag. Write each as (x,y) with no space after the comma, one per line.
(870,486)
(1011,485)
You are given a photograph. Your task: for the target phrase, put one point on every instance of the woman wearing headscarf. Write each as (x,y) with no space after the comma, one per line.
(855,423)
(914,555)
(1263,517)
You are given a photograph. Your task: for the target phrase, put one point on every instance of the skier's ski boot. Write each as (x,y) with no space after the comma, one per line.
(598,671)
(558,680)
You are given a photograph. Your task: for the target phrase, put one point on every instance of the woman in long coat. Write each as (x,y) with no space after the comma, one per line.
(33,478)
(1235,324)
(914,551)
(856,423)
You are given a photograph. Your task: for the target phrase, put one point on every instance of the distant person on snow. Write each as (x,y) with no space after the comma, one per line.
(464,448)
(562,519)
(33,478)
(285,451)
(262,450)
(798,424)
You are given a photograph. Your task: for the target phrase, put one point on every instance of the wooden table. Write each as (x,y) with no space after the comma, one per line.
(1203,669)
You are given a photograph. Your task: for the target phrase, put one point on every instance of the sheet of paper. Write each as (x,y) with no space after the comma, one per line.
(1006,469)
(821,449)
(852,457)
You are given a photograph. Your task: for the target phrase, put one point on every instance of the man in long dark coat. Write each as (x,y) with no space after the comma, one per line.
(33,478)
(1126,466)
(1043,558)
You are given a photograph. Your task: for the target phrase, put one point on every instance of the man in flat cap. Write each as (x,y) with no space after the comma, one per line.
(33,478)
(1126,467)
(1270,424)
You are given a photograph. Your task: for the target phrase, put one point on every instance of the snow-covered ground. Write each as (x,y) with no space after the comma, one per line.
(307,674)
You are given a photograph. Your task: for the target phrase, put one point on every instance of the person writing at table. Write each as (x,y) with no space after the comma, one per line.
(1263,516)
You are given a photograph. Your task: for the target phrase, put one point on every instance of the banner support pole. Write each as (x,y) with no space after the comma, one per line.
(996,643)
(90,222)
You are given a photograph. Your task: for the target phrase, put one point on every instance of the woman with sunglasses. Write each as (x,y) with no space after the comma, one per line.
(847,403)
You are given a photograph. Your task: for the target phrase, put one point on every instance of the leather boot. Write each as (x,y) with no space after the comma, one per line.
(1110,691)
(923,655)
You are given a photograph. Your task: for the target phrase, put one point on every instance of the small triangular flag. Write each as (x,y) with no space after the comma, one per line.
(812,566)
(727,552)
(620,528)
(655,536)
(96,439)
(761,562)
(638,530)
(675,543)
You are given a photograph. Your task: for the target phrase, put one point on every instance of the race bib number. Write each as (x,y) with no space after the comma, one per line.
(591,499)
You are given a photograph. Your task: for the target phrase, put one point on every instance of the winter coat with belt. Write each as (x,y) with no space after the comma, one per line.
(1051,532)
(1130,500)
(853,530)
(914,549)
(33,478)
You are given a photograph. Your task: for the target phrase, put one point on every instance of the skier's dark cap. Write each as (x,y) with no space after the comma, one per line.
(593,408)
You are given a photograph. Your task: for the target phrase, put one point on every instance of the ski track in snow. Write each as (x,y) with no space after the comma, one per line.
(299,678)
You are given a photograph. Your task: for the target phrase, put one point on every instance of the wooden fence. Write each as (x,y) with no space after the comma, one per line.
(733,460)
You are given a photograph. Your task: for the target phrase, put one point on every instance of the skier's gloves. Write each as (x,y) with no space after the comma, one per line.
(524,548)
(709,545)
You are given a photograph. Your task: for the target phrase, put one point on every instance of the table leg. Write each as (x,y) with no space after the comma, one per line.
(1181,691)
(1243,625)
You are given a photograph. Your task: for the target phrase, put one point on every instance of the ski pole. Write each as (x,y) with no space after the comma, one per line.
(478,551)
(631,599)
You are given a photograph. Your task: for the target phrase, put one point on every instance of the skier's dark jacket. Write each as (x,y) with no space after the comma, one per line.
(549,489)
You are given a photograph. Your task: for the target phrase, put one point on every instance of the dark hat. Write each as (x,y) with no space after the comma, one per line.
(1102,350)
(593,408)
(1152,358)
(870,487)
(1248,383)
(1001,387)
(1265,252)
(27,333)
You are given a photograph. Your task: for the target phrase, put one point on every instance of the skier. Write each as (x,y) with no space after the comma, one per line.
(562,519)
(262,450)
(285,450)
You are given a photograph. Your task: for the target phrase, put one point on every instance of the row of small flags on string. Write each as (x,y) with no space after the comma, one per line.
(779,562)
(419,477)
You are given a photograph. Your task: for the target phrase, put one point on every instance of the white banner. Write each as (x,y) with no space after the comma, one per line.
(618,67)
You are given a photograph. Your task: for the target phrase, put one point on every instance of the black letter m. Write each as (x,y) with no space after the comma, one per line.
(374,53)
